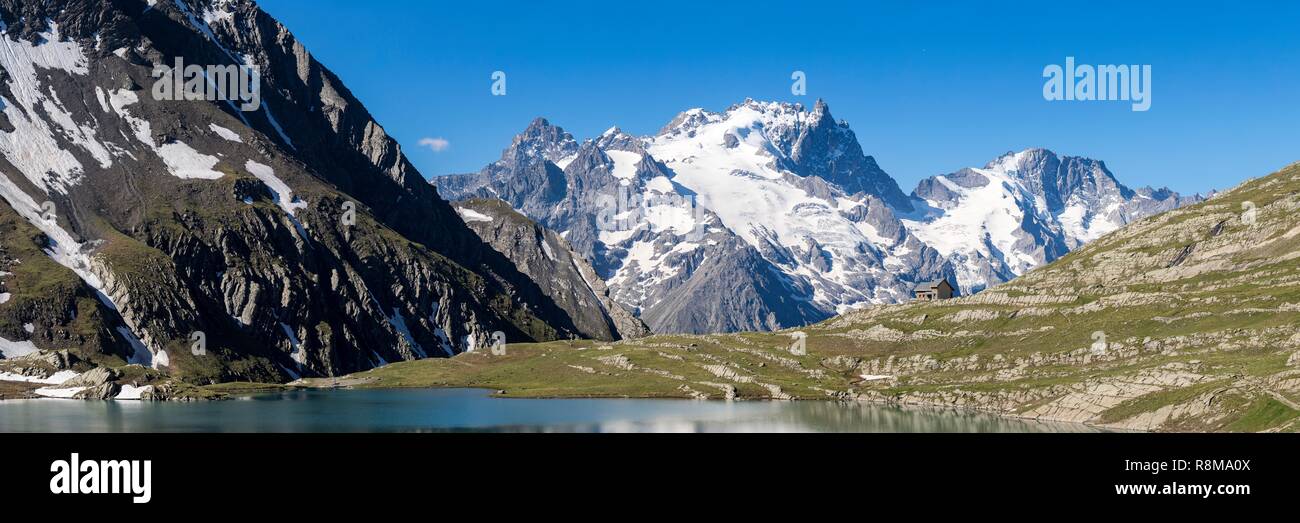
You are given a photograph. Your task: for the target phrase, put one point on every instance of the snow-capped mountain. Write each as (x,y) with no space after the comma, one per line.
(769,215)
(752,166)
(709,225)
(662,255)
(1024,209)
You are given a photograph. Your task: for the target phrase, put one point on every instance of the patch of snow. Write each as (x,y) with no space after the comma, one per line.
(161,360)
(296,353)
(225,133)
(624,163)
(54,379)
(140,354)
(546,249)
(58,392)
(14,349)
(32,146)
(181,160)
(564,162)
(132,392)
(399,324)
(103,99)
(185,162)
(471,215)
(661,184)
(283,194)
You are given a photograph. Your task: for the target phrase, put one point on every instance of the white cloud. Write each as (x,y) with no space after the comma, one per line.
(436,145)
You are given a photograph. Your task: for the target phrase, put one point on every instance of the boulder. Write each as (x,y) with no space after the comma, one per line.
(103,391)
(93,378)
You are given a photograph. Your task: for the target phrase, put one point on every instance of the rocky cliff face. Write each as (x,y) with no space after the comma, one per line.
(549,260)
(292,239)
(829,150)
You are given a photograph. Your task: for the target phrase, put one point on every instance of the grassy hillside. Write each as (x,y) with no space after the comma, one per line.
(1189,320)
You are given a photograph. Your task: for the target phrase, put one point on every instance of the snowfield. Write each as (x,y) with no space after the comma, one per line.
(733,160)
(31,146)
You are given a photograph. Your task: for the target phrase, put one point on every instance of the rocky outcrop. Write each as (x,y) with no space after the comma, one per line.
(829,150)
(548,259)
(92,378)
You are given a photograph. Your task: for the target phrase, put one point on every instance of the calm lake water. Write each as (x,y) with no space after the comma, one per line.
(433,410)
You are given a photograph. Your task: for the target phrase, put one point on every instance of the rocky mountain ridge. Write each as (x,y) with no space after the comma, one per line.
(769,215)
(550,261)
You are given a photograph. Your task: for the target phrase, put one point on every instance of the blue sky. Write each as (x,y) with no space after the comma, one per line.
(928,87)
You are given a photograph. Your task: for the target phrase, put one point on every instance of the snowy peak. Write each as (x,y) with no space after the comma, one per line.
(541,140)
(1059,178)
(821,112)
(790,138)
(779,122)
(830,150)
(795,186)
(615,139)
(1024,209)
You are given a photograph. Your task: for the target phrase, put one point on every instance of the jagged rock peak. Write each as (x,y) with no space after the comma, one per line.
(541,138)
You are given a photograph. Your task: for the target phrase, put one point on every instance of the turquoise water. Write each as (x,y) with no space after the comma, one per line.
(433,410)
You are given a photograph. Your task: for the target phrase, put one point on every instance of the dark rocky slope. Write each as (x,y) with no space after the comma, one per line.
(549,260)
(296,238)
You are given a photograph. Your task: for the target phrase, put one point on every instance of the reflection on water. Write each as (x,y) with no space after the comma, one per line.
(434,410)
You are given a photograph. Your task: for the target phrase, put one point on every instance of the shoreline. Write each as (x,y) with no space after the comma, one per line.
(496,393)
(503,394)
